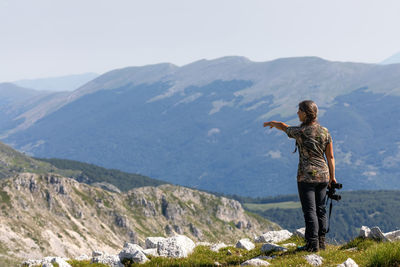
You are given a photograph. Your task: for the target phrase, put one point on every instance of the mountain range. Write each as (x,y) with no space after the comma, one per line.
(200,125)
(57,84)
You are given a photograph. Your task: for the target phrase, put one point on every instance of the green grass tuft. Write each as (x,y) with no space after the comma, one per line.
(75,263)
(385,255)
(359,243)
(5,198)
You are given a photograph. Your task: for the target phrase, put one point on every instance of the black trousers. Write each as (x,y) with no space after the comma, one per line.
(312,197)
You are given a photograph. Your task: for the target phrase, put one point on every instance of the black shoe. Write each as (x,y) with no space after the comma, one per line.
(309,247)
(303,248)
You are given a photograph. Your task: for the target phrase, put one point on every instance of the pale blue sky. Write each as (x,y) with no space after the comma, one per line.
(43,38)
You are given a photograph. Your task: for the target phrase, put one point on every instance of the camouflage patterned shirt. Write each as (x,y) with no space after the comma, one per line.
(311,142)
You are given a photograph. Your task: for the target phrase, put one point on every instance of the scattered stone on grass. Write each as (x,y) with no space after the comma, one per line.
(314,259)
(274,236)
(364,232)
(377,234)
(301,232)
(151,252)
(110,260)
(178,246)
(348,263)
(255,262)
(218,246)
(245,243)
(393,236)
(289,245)
(272,247)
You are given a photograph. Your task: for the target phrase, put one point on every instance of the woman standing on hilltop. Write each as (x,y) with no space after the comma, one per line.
(314,175)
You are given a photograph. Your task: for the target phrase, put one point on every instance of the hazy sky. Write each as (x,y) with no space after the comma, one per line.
(43,38)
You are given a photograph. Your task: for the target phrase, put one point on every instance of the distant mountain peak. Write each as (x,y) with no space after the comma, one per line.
(61,83)
(395,59)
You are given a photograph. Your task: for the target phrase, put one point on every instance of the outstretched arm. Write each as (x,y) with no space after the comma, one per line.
(331,163)
(277,124)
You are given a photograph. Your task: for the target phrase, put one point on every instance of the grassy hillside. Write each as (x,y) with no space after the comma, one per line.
(90,173)
(366,253)
(357,208)
(13,162)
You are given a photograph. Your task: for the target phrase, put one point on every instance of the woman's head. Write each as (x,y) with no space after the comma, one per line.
(308,111)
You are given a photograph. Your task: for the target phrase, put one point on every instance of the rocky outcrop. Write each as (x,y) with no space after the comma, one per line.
(106,186)
(377,234)
(46,214)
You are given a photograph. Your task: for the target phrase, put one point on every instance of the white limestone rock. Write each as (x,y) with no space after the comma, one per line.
(301,232)
(110,260)
(178,246)
(61,262)
(133,252)
(272,247)
(151,242)
(48,261)
(82,257)
(218,246)
(348,263)
(364,232)
(255,262)
(245,243)
(377,234)
(314,259)
(274,236)
(393,236)
(150,252)
(289,245)
(139,257)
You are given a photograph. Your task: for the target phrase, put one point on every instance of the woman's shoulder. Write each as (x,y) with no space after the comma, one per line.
(323,129)
(318,129)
